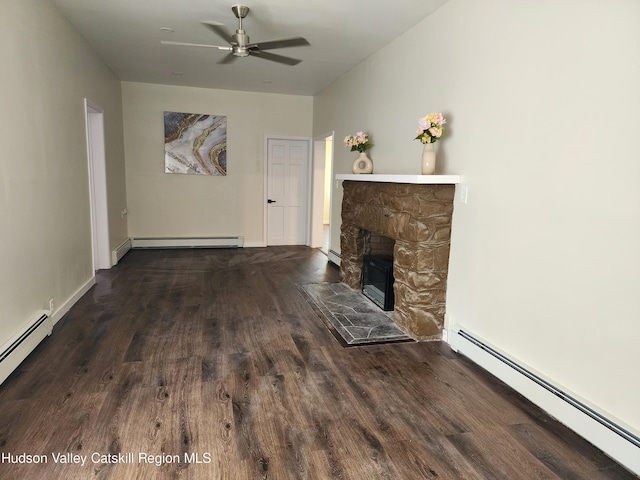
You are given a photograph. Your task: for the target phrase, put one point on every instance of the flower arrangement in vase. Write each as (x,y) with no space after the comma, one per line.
(359,143)
(430,130)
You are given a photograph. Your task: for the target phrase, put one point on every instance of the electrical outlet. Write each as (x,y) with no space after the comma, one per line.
(123,212)
(51,305)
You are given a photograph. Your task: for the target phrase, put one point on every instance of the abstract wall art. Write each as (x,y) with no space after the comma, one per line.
(195,144)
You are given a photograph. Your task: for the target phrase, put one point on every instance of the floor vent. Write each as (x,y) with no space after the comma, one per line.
(22,344)
(120,251)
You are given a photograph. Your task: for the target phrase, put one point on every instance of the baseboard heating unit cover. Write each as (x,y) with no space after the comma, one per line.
(188,242)
(120,251)
(334,257)
(17,348)
(608,434)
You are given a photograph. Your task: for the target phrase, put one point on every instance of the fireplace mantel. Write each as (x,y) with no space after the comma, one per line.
(392,178)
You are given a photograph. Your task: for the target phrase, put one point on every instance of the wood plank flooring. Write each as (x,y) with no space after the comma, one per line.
(210,364)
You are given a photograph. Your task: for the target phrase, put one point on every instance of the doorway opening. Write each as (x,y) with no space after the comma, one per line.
(94,123)
(322,178)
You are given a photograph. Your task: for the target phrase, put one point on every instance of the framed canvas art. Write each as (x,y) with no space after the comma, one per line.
(195,144)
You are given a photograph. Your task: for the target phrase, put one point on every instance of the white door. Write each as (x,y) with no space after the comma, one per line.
(287,191)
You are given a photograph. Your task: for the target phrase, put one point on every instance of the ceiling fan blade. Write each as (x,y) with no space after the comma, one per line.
(274,58)
(184,44)
(230,58)
(221,32)
(284,43)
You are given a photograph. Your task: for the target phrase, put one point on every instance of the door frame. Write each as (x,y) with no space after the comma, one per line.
(320,167)
(265,214)
(96,159)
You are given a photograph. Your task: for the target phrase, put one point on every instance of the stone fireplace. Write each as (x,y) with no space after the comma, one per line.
(418,217)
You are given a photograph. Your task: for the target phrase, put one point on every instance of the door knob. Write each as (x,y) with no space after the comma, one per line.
(271,201)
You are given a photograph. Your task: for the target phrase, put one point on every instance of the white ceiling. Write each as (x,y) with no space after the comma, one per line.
(126,34)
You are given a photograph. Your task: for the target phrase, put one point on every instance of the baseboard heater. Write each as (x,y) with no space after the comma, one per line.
(585,409)
(188,242)
(120,251)
(334,257)
(22,344)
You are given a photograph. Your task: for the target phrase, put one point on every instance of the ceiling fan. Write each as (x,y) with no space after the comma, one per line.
(239,45)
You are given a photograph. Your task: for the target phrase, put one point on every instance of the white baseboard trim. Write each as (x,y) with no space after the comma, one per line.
(624,450)
(57,314)
(254,244)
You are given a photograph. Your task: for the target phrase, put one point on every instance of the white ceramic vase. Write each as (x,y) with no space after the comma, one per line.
(428,166)
(362,164)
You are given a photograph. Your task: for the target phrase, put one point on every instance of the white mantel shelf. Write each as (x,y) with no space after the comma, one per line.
(388,178)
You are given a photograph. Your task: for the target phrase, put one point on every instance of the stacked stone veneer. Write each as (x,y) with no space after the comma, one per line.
(418,218)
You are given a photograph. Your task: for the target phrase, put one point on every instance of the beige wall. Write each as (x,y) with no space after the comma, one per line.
(170,205)
(45,228)
(542,100)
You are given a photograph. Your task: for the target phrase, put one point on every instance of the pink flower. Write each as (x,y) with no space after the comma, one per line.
(358,142)
(438,119)
(430,128)
(435,132)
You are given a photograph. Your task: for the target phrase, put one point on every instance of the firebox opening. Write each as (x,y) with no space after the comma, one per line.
(376,244)
(377,270)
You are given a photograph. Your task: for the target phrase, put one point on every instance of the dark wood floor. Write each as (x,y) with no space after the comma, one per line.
(217,353)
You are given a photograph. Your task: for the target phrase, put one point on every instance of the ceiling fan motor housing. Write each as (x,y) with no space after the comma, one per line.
(241,40)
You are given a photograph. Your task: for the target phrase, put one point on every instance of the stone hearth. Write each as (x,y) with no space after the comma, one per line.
(418,218)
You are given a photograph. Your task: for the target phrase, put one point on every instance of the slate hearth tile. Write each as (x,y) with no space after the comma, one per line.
(342,306)
(352,315)
(370,320)
(342,319)
(359,332)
